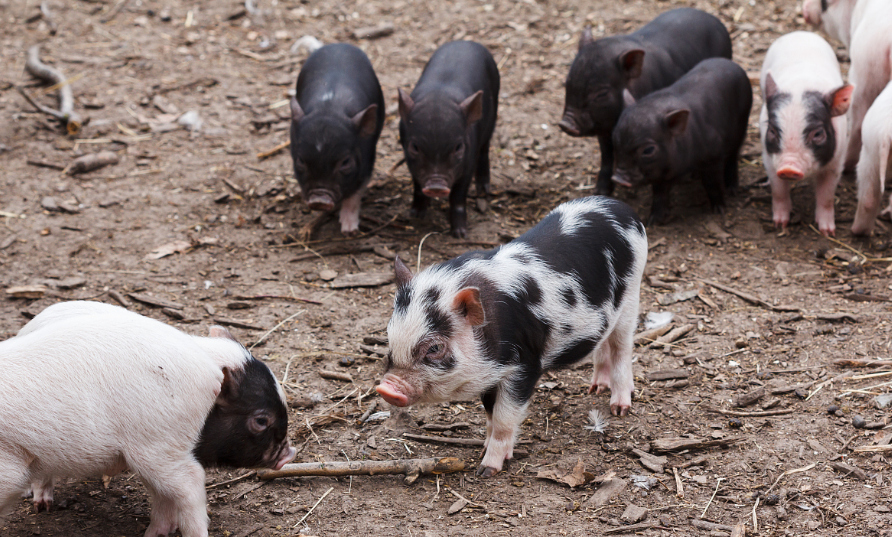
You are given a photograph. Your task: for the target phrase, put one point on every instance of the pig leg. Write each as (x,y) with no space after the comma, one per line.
(867,87)
(420,202)
(507,415)
(870,192)
(458,212)
(42,491)
(482,174)
(732,179)
(659,207)
(825,190)
(14,479)
(604,186)
(709,176)
(613,358)
(780,200)
(178,499)
(349,215)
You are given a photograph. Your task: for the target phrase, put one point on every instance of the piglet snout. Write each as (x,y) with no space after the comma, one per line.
(789,173)
(568,125)
(392,395)
(287,456)
(321,200)
(436,187)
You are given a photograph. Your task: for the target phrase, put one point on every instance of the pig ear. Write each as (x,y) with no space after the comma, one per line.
(839,100)
(586,37)
(472,107)
(228,388)
(219,331)
(677,121)
(403,274)
(366,121)
(406,104)
(628,99)
(770,87)
(296,112)
(631,62)
(467,303)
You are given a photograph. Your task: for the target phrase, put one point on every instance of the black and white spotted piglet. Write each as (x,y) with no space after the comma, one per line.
(490,323)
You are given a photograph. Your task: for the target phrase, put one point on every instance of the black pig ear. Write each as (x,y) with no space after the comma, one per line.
(219,331)
(366,121)
(296,112)
(406,104)
(586,37)
(403,274)
(631,62)
(472,107)
(677,121)
(770,87)
(839,100)
(467,303)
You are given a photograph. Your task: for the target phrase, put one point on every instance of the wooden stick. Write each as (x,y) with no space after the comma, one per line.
(242,477)
(264,154)
(872,449)
(49,74)
(335,469)
(280,297)
(861,363)
(717,483)
(445,440)
(665,445)
(748,297)
(335,375)
(751,414)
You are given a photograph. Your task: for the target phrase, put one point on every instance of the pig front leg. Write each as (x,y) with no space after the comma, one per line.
(178,498)
(420,202)
(869,83)
(458,211)
(42,493)
(503,424)
(349,215)
(825,191)
(732,177)
(709,176)
(659,207)
(780,200)
(14,480)
(604,185)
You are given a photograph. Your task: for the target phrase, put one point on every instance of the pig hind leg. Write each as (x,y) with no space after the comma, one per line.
(14,479)
(42,490)
(709,176)
(178,499)
(732,179)
(871,182)
(613,362)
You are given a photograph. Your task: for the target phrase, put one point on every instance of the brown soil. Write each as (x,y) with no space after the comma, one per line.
(170,186)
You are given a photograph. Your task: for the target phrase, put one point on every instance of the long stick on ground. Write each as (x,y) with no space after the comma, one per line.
(49,74)
(411,468)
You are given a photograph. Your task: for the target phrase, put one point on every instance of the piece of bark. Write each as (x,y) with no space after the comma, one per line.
(861,363)
(857,473)
(374,32)
(857,297)
(44,164)
(26,291)
(710,526)
(631,528)
(71,283)
(607,491)
(681,296)
(276,297)
(173,314)
(654,463)
(7,242)
(119,298)
(666,445)
(648,336)
(473,442)
(362,279)
(696,461)
(754,414)
(375,340)
(747,399)
(749,298)
(372,351)
(411,468)
(676,384)
(667,374)
(739,530)
(781,390)
(335,375)
(154,301)
(446,426)
(634,513)
(237,324)
(673,335)
(836,317)
(92,161)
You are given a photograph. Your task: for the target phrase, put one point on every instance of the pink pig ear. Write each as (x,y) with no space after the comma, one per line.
(840,100)
(403,274)
(677,121)
(219,331)
(632,62)
(467,303)
(366,121)
(472,107)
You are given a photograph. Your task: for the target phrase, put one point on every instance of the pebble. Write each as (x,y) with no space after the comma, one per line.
(858,422)
(346,361)
(772,499)
(832,409)
(328,275)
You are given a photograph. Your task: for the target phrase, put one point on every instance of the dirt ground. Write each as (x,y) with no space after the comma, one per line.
(240,219)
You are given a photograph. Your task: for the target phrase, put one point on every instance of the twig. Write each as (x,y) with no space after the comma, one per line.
(789,472)
(755,518)
(440,465)
(365,415)
(849,441)
(281,297)
(49,74)
(420,244)
(748,297)
(702,515)
(867,258)
(826,382)
(445,440)
(751,414)
(265,154)
(872,449)
(335,375)
(242,477)
(273,329)
(327,492)
(679,488)
(861,363)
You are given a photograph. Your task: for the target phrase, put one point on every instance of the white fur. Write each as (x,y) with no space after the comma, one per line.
(799,62)
(90,389)
(507,270)
(873,165)
(349,215)
(837,20)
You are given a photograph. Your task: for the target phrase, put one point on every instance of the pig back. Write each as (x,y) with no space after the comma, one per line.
(83,392)
(339,76)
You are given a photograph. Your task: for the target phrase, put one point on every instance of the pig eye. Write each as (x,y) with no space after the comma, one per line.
(258,422)
(413,149)
(819,136)
(648,150)
(459,148)
(300,164)
(347,164)
(434,349)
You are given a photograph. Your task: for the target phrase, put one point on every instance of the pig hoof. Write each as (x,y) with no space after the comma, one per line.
(486,471)
(43,504)
(460,233)
(619,410)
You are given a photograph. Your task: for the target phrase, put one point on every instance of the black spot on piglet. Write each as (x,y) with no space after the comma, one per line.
(248,424)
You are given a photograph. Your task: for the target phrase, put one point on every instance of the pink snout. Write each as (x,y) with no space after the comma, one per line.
(321,200)
(790,173)
(392,395)
(568,125)
(436,187)
(287,456)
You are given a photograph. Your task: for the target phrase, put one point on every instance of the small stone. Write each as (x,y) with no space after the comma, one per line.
(741,343)
(832,409)
(772,499)
(800,393)
(883,400)
(780,513)
(346,361)
(858,422)
(49,203)
(634,513)
(327,275)
(735,423)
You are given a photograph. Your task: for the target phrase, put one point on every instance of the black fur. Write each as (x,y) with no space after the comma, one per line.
(819,116)
(773,139)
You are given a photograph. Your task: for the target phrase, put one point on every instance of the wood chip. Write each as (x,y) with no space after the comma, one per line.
(335,375)
(857,297)
(119,298)
(666,445)
(234,322)
(154,301)
(857,473)
(607,491)
(667,374)
(26,291)
(7,242)
(93,161)
(710,526)
(634,513)
(372,351)
(681,296)
(631,528)
(673,335)
(749,398)
(374,32)
(649,336)
(654,463)
(362,279)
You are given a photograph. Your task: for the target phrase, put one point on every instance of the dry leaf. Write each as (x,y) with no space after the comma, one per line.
(574,478)
(169,249)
